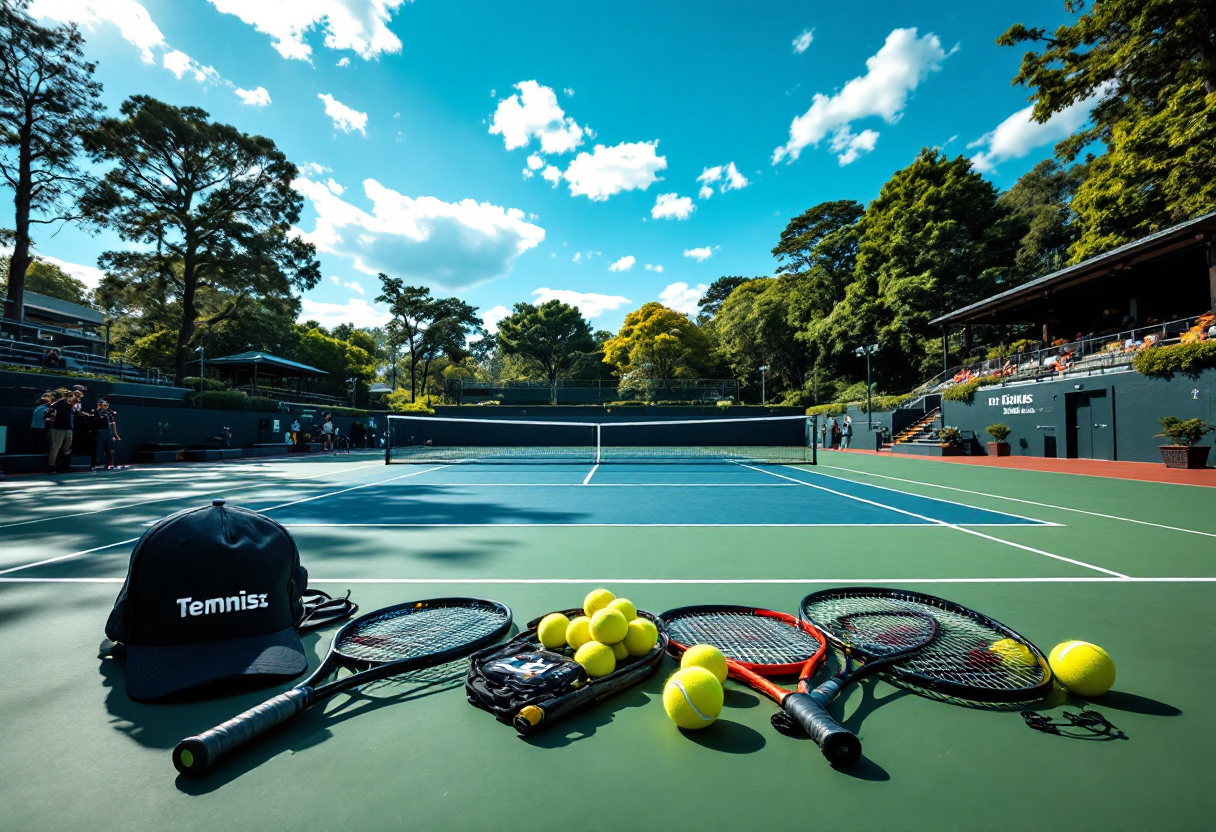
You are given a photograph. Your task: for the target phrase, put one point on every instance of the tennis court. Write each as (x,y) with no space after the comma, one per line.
(1127,565)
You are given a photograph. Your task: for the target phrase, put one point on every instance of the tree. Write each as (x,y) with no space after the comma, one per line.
(341,360)
(660,341)
(48,279)
(447,335)
(1152,69)
(48,98)
(213,206)
(1041,201)
(414,313)
(549,334)
(717,293)
(817,255)
(754,330)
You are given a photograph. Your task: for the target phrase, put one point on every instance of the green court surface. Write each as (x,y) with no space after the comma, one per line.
(1128,565)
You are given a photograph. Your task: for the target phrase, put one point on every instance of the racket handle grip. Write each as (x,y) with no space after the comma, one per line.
(195,755)
(839,745)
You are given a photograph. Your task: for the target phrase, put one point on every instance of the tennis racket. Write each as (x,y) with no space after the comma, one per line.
(929,644)
(384,643)
(760,644)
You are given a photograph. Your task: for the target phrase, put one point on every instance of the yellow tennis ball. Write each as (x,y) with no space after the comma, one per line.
(1082,668)
(620,651)
(579,632)
(708,657)
(625,607)
(1012,651)
(596,600)
(608,626)
(693,697)
(641,636)
(552,630)
(596,658)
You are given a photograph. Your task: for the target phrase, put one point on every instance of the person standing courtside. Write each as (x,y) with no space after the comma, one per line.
(60,416)
(846,433)
(107,434)
(327,433)
(39,425)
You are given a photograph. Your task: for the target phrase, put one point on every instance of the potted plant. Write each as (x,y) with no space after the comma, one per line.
(999,433)
(951,441)
(1184,453)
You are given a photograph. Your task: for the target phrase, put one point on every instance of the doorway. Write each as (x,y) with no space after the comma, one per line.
(1091,425)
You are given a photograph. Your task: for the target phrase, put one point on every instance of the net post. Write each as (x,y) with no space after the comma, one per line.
(388,437)
(597,443)
(815,439)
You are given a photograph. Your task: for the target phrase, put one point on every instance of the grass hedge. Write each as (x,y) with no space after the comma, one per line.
(1163,362)
(964,391)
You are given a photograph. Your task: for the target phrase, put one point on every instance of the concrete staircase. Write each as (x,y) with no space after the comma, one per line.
(922,432)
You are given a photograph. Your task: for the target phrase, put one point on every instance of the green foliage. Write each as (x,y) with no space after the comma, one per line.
(723,404)
(1152,66)
(44,371)
(949,437)
(999,432)
(208,383)
(398,402)
(425,327)
(963,391)
(717,293)
(1040,201)
(659,341)
(881,403)
(156,350)
(754,329)
(48,279)
(637,385)
(827,410)
(550,334)
(1179,358)
(221,400)
(1184,432)
(262,404)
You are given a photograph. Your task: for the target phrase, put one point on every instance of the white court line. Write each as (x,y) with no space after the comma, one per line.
(1019,500)
(962,529)
(625,485)
(65,557)
(352,488)
(591,473)
(626,525)
(204,490)
(681,581)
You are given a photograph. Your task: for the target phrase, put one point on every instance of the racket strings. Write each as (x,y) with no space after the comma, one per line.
(416,632)
(746,638)
(961,653)
(887,631)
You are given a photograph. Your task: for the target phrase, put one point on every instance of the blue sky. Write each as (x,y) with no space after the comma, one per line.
(608,154)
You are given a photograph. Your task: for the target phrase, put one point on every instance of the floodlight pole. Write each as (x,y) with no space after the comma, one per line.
(202,367)
(867,352)
(763,394)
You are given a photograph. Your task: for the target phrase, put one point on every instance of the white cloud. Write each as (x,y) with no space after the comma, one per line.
(578,256)
(700,254)
(903,62)
(345,118)
(258,97)
(653,268)
(551,175)
(569,92)
(360,26)
(88,275)
(131,18)
(355,287)
(803,41)
(728,175)
(610,170)
(672,206)
(337,281)
(355,311)
(334,187)
(491,317)
(314,168)
(624,264)
(850,146)
(1019,134)
(682,297)
(534,113)
(535,162)
(421,239)
(590,304)
(179,63)
(343,62)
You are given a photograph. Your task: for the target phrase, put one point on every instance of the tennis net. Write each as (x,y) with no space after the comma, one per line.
(426,439)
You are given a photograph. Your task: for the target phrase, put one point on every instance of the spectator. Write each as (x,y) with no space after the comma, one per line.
(295,431)
(836,433)
(823,434)
(358,434)
(52,360)
(327,434)
(60,416)
(846,433)
(39,422)
(106,425)
(85,432)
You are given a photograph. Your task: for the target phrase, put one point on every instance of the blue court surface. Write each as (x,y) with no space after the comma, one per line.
(625,495)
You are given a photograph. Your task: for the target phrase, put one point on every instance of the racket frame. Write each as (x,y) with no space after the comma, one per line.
(196,755)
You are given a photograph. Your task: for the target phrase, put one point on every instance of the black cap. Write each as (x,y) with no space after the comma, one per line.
(211,593)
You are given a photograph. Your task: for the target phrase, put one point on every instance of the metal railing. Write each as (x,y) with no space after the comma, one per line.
(78,361)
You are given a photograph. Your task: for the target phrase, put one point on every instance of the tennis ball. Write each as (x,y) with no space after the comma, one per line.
(552,630)
(596,658)
(596,600)
(708,657)
(608,626)
(1012,651)
(1082,668)
(625,607)
(620,651)
(693,697)
(640,637)
(578,633)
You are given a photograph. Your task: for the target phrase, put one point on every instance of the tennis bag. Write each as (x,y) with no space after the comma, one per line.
(528,686)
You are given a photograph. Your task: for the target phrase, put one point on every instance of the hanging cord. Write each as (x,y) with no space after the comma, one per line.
(321,609)
(1098,726)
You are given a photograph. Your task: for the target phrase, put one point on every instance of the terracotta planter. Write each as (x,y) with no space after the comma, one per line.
(1181,456)
(953,450)
(998,449)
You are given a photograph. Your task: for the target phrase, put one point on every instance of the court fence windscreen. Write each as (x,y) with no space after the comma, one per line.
(768,439)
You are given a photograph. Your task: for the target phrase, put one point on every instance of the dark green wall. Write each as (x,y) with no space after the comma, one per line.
(1136,404)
